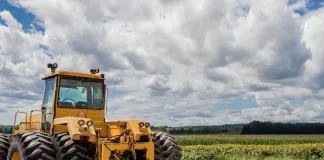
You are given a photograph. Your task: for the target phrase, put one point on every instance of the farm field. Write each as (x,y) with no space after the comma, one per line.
(251,147)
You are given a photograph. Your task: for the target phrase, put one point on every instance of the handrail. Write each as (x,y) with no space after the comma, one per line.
(31,112)
(13,129)
(45,121)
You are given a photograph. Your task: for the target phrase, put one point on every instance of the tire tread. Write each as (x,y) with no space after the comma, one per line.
(67,149)
(166,147)
(32,145)
(4,146)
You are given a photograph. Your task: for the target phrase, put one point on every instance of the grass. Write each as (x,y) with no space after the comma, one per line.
(251,147)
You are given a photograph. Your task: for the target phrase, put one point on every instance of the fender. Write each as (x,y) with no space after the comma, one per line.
(76,131)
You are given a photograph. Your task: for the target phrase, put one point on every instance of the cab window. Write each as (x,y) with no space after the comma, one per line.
(80,93)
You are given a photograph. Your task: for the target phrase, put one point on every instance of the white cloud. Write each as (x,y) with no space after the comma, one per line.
(173,60)
(313,26)
(10,20)
(298,5)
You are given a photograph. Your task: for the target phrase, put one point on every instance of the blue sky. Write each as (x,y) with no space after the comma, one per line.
(21,15)
(310,5)
(151,82)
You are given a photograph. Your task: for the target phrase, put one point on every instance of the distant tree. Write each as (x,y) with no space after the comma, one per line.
(190,131)
(257,127)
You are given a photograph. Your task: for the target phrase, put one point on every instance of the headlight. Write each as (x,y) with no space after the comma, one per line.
(89,123)
(147,124)
(141,124)
(81,122)
(55,65)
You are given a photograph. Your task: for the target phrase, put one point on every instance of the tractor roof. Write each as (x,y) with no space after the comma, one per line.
(75,74)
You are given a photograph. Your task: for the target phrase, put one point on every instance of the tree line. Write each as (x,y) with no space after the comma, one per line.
(257,127)
(254,127)
(232,128)
(6,129)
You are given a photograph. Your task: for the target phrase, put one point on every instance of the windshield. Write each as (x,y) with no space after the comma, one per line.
(80,93)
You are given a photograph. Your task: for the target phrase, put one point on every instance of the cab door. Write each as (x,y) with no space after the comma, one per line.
(48,102)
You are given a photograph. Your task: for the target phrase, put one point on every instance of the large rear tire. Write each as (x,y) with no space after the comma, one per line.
(166,147)
(31,146)
(4,146)
(67,149)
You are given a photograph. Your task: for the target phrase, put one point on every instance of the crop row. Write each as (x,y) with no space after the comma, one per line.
(303,151)
(185,140)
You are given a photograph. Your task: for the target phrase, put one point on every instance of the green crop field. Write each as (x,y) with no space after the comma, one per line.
(251,147)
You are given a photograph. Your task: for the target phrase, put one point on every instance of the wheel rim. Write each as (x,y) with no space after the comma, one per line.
(15,156)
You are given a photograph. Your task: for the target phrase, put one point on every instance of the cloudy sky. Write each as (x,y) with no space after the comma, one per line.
(171,62)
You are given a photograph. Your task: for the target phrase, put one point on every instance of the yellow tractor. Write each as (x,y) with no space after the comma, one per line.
(71,125)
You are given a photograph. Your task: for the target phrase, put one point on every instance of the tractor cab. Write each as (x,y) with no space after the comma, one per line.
(73,94)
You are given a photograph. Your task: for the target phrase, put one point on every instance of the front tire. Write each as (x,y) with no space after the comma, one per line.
(31,146)
(68,149)
(166,146)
